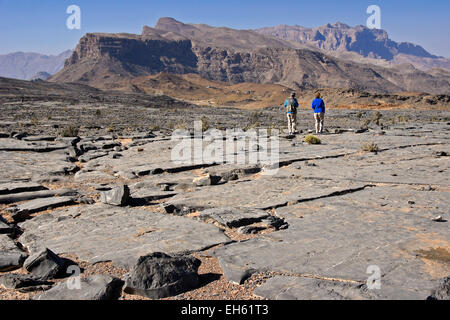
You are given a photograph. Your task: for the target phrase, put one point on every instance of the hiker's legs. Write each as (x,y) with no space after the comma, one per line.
(321,122)
(317,119)
(290,121)
(294,123)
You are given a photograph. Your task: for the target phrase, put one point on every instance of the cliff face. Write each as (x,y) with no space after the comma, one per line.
(103,60)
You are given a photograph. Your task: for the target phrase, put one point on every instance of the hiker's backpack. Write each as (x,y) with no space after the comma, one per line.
(291,105)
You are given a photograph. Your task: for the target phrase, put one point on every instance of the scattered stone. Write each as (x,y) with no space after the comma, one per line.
(250,229)
(39,138)
(21,212)
(91,156)
(442,292)
(18,187)
(439,219)
(11,198)
(234,217)
(97,287)
(159,275)
(45,265)
(21,281)
(207,180)
(117,197)
(11,257)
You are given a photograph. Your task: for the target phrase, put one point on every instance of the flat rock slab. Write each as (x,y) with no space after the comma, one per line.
(21,211)
(340,238)
(105,233)
(234,217)
(20,281)
(264,192)
(98,287)
(17,187)
(300,288)
(11,198)
(18,145)
(34,166)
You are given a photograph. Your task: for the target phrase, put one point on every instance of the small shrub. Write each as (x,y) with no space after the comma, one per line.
(111,128)
(205,124)
(359,115)
(70,131)
(35,121)
(98,113)
(311,139)
(370,147)
(156,128)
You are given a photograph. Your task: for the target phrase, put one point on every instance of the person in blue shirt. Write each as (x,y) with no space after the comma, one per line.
(291,105)
(318,105)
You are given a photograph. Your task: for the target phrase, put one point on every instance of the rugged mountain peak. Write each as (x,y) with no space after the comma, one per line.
(170,24)
(368,43)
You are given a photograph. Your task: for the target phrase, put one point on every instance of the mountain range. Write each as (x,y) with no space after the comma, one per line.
(114,61)
(340,39)
(29,65)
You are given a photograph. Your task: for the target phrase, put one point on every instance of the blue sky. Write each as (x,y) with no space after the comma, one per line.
(40,25)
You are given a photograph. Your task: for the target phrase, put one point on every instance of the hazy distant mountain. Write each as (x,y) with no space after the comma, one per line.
(370,43)
(235,56)
(21,65)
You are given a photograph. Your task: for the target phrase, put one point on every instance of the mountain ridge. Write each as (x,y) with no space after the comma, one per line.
(368,43)
(235,56)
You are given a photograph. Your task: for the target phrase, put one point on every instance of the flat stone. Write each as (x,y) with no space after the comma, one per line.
(340,237)
(234,217)
(20,281)
(97,287)
(91,156)
(159,275)
(18,187)
(23,146)
(101,232)
(20,212)
(39,138)
(300,288)
(5,199)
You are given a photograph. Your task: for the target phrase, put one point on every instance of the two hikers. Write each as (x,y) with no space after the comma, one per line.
(291,106)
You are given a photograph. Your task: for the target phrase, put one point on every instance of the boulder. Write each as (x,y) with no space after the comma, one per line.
(159,275)
(117,197)
(45,264)
(208,180)
(20,212)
